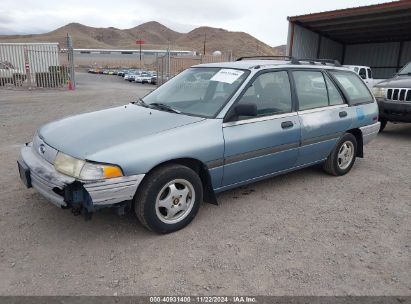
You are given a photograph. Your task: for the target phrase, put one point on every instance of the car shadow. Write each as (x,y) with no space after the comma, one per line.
(281,180)
(400,130)
(107,222)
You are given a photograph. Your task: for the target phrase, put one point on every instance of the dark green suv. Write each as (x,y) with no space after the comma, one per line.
(394,97)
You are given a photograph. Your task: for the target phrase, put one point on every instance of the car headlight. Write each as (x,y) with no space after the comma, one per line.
(85,170)
(379,92)
(92,171)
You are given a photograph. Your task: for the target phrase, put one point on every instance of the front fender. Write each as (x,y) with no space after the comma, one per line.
(201,140)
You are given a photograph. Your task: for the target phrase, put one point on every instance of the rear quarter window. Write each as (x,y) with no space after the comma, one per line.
(354,88)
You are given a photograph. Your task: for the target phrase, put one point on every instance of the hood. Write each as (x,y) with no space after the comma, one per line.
(85,134)
(403,81)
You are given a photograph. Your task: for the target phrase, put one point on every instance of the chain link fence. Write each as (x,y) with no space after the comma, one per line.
(36,65)
(169,66)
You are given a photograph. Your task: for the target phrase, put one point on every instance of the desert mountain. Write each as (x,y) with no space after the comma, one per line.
(280,50)
(156,35)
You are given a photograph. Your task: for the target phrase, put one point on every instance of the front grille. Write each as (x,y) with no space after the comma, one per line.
(399,94)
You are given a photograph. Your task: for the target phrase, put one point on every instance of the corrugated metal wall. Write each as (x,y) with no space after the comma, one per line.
(330,49)
(305,43)
(381,57)
(290,29)
(406,53)
(40,55)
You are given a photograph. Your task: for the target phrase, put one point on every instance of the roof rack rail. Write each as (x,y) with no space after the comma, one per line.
(322,61)
(281,57)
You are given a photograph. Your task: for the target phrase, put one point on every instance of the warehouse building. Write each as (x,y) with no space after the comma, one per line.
(378,36)
(125,53)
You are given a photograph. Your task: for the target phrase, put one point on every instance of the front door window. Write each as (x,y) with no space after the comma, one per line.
(271,93)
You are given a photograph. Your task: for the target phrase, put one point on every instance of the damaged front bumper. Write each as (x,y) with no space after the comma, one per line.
(67,192)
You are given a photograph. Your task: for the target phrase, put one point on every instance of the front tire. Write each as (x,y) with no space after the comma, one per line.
(342,157)
(169,198)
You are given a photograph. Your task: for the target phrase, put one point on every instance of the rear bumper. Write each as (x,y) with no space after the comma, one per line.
(66,191)
(370,132)
(394,111)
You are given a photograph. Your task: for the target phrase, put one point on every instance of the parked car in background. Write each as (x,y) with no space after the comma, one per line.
(125,76)
(394,97)
(10,75)
(130,76)
(143,78)
(122,73)
(224,125)
(365,73)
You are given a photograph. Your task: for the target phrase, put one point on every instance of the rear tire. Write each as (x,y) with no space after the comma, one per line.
(383,124)
(342,157)
(169,198)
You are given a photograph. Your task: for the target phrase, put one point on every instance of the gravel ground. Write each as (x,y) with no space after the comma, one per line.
(304,233)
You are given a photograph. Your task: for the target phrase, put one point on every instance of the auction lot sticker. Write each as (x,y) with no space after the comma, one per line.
(227,75)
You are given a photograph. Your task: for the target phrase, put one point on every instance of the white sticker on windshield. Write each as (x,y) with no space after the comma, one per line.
(227,75)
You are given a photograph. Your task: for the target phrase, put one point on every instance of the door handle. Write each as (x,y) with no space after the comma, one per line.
(286,124)
(343,114)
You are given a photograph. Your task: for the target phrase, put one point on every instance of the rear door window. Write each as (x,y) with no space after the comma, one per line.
(354,88)
(311,89)
(369,73)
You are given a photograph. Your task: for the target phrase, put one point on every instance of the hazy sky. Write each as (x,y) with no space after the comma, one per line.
(264,19)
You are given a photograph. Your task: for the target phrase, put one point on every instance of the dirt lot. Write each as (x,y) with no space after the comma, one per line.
(304,233)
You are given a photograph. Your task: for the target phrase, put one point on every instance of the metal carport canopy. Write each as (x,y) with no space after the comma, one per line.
(374,23)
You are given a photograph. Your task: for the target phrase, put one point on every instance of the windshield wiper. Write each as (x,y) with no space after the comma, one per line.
(409,74)
(163,106)
(158,105)
(140,102)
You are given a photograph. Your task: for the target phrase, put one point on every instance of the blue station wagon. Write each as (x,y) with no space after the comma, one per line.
(211,128)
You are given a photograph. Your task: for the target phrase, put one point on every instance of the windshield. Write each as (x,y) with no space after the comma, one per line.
(406,70)
(198,91)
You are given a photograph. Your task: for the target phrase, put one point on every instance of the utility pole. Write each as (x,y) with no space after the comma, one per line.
(168,61)
(204,46)
(140,42)
(70,54)
(140,54)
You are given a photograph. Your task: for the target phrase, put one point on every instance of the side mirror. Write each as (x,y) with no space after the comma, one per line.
(245,109)
(242,109)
